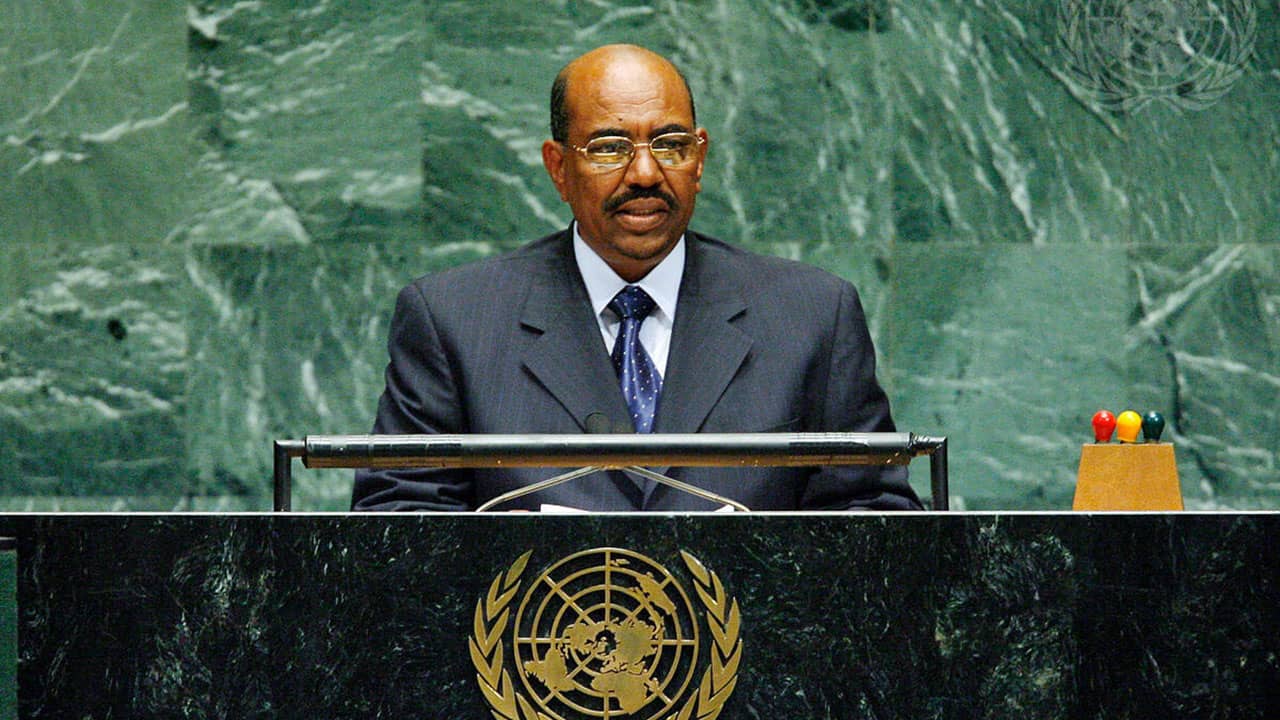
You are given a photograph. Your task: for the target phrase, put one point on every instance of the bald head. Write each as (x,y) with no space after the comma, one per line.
(595,67)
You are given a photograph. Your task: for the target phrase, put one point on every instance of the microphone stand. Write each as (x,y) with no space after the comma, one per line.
(636,469)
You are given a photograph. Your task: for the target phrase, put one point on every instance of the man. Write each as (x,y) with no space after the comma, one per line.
(714,339)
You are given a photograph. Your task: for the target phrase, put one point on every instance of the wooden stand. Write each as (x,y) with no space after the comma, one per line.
(1128,477)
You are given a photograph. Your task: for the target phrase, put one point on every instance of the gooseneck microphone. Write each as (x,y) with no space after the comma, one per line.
(597,423)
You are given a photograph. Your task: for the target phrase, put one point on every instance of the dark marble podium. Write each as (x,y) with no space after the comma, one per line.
(842,616)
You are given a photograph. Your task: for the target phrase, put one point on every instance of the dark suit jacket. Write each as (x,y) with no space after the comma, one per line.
(510,345)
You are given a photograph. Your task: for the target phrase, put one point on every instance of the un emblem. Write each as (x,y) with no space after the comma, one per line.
(606,633)
(1130,53)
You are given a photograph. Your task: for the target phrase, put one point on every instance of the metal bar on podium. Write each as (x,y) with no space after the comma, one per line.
(284,451)
(610,451)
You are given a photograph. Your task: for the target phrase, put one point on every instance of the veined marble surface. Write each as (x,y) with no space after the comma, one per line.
(207,209)
(942,616)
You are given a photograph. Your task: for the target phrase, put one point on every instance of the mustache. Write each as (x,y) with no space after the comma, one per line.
(618,201)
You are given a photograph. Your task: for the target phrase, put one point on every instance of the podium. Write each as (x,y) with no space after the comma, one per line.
(939,615)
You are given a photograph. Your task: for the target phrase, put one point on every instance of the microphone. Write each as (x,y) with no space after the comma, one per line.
(597,423)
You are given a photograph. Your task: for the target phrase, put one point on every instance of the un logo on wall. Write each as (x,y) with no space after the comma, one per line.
(1127,54)
(606,633)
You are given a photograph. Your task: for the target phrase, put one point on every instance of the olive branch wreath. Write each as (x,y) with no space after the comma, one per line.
(493,612)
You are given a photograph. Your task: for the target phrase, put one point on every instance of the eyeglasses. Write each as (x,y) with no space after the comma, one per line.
(670,150)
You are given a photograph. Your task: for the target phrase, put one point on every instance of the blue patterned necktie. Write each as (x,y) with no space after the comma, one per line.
(641,383)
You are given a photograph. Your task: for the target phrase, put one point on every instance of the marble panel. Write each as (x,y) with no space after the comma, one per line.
(1205,346)
(1209,176)
(93,362)
(1213,175)
(309,119)
(485,83)
(1008,351)
(288,342)
(990,145)
(93,117)
(998,142)
(925,616)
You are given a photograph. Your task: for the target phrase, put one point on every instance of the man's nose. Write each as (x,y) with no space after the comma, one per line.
(644,170)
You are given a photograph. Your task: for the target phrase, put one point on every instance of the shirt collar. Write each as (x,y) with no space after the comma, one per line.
(662,283)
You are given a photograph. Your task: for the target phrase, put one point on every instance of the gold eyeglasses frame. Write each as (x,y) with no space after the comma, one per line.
(661,157)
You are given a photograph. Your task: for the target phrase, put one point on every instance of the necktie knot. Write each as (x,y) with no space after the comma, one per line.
(632,302)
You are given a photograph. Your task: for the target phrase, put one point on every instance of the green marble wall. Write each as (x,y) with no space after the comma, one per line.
(206,211)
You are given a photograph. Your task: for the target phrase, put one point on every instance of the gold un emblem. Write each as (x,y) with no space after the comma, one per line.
(606,633)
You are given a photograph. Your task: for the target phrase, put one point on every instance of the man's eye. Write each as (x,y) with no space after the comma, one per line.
(676,145)
(610,147)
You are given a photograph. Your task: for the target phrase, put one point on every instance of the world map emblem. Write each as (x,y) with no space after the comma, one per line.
(606,633)
(1128,54)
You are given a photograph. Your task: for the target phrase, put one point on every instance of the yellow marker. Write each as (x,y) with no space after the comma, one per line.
(1128,423)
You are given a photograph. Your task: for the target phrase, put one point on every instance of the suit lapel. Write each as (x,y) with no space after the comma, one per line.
(706,348)
(568,356)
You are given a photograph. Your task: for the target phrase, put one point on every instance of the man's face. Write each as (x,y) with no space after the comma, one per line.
(630,216)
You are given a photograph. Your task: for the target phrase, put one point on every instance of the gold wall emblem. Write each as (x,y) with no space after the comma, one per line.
(606,633)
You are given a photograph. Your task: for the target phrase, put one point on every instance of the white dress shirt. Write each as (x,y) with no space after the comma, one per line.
(662,284)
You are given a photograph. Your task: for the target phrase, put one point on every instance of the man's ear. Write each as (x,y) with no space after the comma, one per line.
(553,159)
